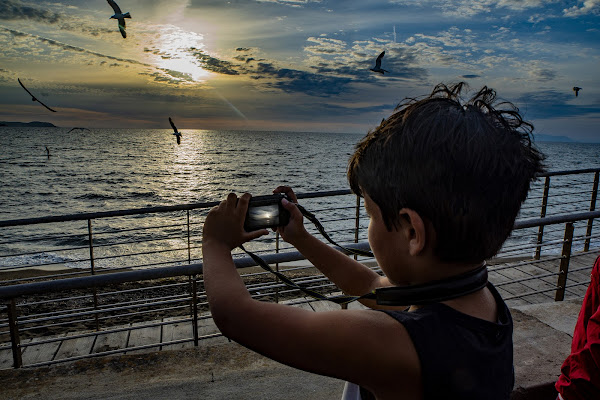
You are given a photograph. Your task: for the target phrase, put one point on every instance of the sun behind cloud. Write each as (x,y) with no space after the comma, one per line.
(173,48)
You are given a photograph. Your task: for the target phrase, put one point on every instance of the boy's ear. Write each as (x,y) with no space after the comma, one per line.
(413,227)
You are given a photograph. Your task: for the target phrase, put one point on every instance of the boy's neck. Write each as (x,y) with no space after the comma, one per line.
(428,269)
(436,290)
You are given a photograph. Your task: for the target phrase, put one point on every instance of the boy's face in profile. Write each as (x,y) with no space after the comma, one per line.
(384,244)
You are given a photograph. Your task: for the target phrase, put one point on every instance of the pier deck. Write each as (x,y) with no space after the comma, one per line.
(542,336)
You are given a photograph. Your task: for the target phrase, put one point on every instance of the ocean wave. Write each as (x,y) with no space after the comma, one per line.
(96,196)
(241,175)
(137,195)
(32,260)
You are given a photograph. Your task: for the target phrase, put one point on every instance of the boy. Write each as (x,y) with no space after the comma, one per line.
(443,183)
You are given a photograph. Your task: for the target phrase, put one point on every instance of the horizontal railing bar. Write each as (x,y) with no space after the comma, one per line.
(42,277)
(104,331)
(102,310)
(43,238)
(103,294)
(145,210)
(501,266)
(192,206)
(138,241)
(100,318)
(570,172)
(553,289)
(42,265)
(101,232)
(556,219)
(117,351)
(8,292)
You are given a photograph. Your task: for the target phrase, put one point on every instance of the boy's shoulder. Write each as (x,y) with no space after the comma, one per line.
(447,340)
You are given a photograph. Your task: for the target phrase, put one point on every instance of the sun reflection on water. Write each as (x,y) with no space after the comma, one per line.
(190,169)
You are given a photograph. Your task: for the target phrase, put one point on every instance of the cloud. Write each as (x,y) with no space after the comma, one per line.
(68,47)
(325,45)
(588,7)
(552,104)
(12,10)
(292,80)
(291,3)
(543,74)
(353,60)
(470,8)
(470,76)
(168,76)
(7,76)
(213,64)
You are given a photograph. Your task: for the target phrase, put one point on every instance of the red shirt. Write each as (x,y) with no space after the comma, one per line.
(580,373)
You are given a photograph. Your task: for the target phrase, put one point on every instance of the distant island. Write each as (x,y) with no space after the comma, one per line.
(551,138)
(32,124)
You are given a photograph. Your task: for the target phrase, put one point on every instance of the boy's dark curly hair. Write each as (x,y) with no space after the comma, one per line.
(465,167)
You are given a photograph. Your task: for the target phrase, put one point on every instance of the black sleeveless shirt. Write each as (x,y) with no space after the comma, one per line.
(462,357)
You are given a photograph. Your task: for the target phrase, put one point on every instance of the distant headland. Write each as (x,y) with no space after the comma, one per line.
(32,124)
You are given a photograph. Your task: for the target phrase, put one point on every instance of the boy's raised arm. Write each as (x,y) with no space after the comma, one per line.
(353,277)
(346,344)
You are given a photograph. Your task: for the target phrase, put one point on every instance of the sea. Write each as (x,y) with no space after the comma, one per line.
(55,171)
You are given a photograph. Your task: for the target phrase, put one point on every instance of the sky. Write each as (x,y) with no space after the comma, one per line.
(294,65)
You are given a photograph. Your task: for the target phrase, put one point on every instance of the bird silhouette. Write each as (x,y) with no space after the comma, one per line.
(576,90)
(377,67)
(33,98)
(78,128)
(176,133)
(119,16)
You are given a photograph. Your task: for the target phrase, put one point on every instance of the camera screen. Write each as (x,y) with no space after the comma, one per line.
(262,217)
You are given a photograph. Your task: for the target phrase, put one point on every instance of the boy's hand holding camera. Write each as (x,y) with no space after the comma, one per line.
(224,224)
(294,230)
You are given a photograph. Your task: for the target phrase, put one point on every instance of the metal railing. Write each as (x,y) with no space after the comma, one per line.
(546,195)
(160,286)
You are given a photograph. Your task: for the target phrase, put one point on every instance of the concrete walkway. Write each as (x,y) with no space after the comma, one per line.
(224,370)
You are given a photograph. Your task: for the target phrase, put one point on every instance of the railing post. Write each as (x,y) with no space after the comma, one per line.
(277,267)
(588,232)
(356,228)
(195,310)
(356,222)
(540,235)
(93,272)
(564,263)
(14,334)
(193,286)
(189,248)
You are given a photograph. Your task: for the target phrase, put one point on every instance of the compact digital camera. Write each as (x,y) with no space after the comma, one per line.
(266,212)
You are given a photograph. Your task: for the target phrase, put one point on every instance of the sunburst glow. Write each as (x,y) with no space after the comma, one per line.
(174,47)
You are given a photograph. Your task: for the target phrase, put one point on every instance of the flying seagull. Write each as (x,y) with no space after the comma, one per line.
(576,90)
(33,97)
(377,67)
(176,133)
(78,128)
(119,16)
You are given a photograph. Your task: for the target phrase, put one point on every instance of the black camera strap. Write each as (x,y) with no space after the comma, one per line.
(343,299)
(311,217)
(427,293)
